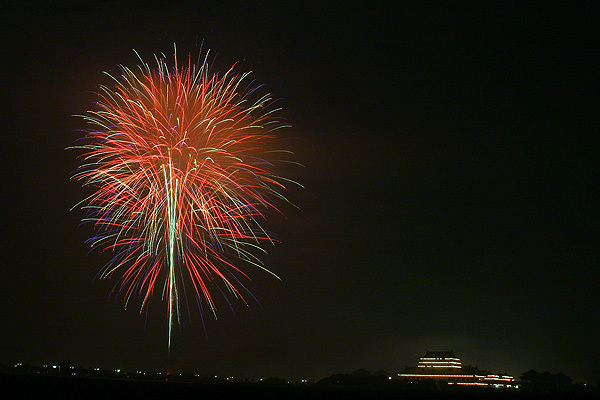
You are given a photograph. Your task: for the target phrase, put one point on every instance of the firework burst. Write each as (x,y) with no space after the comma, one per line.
(182,171)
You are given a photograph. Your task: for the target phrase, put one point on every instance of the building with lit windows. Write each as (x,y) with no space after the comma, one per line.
(445,366)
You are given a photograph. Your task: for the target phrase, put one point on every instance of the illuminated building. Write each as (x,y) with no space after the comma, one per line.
(445,366)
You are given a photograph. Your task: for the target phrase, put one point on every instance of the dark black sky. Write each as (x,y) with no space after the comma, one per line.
(451,174)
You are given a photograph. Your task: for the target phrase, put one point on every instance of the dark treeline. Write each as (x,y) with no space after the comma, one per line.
(343,386)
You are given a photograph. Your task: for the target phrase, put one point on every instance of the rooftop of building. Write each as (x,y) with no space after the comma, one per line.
(440,354)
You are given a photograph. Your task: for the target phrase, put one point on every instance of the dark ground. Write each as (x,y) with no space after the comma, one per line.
(59,387)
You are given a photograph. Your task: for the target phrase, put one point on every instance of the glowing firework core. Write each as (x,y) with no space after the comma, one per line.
(182,175)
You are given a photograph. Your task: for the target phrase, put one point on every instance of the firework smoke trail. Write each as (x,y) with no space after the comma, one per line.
(182,171)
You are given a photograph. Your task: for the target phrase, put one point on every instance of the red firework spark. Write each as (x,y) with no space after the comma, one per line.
(182,175)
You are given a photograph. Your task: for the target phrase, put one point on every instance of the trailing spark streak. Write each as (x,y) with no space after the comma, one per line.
(182,171)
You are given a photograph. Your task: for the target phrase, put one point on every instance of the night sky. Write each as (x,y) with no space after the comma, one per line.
(451,188)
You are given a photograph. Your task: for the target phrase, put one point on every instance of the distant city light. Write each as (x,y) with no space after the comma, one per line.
(443,365)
